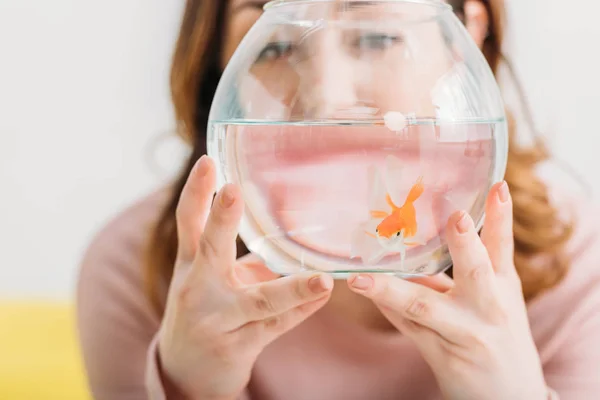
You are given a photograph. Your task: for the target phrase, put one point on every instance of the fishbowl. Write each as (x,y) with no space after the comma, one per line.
(354,130)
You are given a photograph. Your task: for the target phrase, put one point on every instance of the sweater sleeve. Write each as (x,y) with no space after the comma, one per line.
(574,370)
(115,321)
(154,382)
(566,320)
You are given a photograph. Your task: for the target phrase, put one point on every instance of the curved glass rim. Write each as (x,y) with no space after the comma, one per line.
(435,3)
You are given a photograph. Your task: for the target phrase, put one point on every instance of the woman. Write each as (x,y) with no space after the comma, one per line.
(172,314)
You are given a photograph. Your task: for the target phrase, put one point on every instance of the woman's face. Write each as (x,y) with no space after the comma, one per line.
(242,14)
(339,69)
(319,176)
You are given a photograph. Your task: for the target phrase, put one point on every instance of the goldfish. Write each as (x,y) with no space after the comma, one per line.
(394,230)
(401,219)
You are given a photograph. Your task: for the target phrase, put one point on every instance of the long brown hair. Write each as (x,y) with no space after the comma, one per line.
(195,73)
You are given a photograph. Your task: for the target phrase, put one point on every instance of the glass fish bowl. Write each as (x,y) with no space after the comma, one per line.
(354,130)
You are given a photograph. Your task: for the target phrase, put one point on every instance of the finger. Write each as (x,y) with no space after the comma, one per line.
(250,270)
(265,331)
(414,302)
(472,268)
(267,300)
(217,247)
(440,282)
(194,205)
(497,234)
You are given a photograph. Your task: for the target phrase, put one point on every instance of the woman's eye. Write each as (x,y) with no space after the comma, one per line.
(274,51)
(377,41)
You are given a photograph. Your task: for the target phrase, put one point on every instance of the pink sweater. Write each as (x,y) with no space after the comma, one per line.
(324,358)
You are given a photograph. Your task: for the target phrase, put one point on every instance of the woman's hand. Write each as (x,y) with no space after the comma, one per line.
(475,335)
(220,313)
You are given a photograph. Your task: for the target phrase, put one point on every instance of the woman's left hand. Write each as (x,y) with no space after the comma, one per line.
(475,335)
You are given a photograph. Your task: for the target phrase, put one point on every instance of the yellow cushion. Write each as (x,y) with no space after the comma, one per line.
(39,352)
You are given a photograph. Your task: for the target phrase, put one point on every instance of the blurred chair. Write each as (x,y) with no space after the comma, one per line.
(39,352)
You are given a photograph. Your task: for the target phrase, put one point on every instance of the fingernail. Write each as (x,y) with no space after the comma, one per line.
(319,284)
(464,223)
(503,192)
(362,282)
(202,166)
(227,198)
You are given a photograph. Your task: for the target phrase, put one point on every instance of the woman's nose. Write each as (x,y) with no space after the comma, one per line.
(328,84)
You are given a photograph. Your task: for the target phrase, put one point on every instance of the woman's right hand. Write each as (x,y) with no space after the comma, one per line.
(220,312)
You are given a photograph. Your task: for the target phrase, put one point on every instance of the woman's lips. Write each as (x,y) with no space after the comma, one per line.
(266,144)
(323,201)
(314,180)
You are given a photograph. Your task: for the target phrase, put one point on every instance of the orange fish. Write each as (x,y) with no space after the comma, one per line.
(401,219)
(387,231)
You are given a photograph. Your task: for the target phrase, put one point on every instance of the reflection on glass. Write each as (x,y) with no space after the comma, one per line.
(357,128)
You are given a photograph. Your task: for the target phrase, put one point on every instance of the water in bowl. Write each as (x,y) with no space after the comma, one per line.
(356,196)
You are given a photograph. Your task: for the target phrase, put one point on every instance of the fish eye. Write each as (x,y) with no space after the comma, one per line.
(377,230)
(398,233)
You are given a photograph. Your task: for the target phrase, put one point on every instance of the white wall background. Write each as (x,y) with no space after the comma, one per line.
(84,93)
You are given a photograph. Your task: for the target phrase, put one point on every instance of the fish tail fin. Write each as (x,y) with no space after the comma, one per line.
(416,191)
